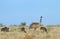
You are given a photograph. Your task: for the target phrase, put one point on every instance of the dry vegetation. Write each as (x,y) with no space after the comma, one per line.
(15,33)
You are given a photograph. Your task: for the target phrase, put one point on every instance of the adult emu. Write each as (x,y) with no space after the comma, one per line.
(44,29)
(23,29)
(5,29)
(34,26)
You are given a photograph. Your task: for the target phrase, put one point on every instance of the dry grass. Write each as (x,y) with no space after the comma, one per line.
(15,33)
(29,36)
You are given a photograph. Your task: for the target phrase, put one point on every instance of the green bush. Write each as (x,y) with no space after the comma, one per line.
(23,24)
(1,24)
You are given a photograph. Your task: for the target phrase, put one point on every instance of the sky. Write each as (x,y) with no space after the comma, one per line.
(17,11)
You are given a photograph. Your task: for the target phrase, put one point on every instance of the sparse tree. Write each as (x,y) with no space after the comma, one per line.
(23,23)
(14,25)
(1,24)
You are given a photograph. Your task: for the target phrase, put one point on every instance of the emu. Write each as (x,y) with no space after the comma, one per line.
(5,29)
(44,29)
(23,29)
(34,26)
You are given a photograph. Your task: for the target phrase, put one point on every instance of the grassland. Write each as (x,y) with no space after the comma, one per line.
(16,33)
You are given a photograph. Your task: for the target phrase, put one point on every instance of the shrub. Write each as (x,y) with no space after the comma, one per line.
(23,24)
